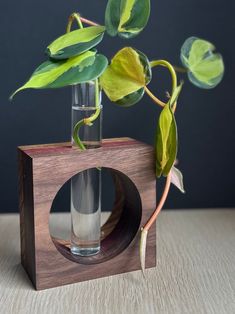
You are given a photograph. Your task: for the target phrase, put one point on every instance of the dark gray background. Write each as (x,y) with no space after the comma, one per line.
(205,117)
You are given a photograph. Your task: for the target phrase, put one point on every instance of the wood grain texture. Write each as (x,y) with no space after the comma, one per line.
(195,272)
(26,214)
(43,171)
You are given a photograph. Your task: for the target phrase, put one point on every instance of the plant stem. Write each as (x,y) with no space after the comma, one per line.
(72,17)
(92,118)
(87,121)
(166,64)
(78,142)
(154,98)
(154,216)
(76,138)
(89,22)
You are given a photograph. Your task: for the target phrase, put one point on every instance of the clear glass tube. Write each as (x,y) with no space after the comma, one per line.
(86,186)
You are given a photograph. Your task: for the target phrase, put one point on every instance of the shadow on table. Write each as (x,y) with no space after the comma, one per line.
(20,278)
(12,274)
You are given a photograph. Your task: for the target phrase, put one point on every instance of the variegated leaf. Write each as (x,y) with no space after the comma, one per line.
(85,67)
(131,99)
(75,42)
(205,67)
(127,18)
(125,77)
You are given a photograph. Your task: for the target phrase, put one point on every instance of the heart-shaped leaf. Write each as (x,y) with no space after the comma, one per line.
(75,42)
(125,77)
(85,67)
(166,142)
(127,18)
(177,179)
(205,67)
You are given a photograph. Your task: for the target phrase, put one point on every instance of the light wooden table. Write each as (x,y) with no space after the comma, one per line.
(195,272)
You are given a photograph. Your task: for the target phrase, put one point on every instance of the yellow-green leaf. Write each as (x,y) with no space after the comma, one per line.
(75,42)
(205,67)
(126,74)
(166,142)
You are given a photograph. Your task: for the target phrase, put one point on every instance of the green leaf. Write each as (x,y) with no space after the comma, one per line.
(146,65)
(131,99)
(127,74)
(166,142)
(85,67)
(177,179)
(205,67)
(75,42)
(126,18)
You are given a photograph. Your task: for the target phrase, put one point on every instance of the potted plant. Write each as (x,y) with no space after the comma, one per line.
(72,59)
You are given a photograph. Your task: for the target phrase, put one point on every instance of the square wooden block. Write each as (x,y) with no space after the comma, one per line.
(44,169)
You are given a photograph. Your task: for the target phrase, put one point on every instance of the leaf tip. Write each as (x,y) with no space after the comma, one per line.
(47,52)
(13,95)
(143,243)
(177,179)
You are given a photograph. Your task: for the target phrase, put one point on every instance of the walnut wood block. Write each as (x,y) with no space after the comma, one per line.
(44,169)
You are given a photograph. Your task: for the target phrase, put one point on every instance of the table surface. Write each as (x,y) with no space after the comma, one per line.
(195,272)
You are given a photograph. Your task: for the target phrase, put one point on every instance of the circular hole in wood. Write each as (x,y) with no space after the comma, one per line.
(120,228)
(60,220)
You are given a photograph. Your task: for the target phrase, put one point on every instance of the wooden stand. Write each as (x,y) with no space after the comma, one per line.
(44,169)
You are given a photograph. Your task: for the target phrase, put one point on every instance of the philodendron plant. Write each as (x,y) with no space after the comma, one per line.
(72,59)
